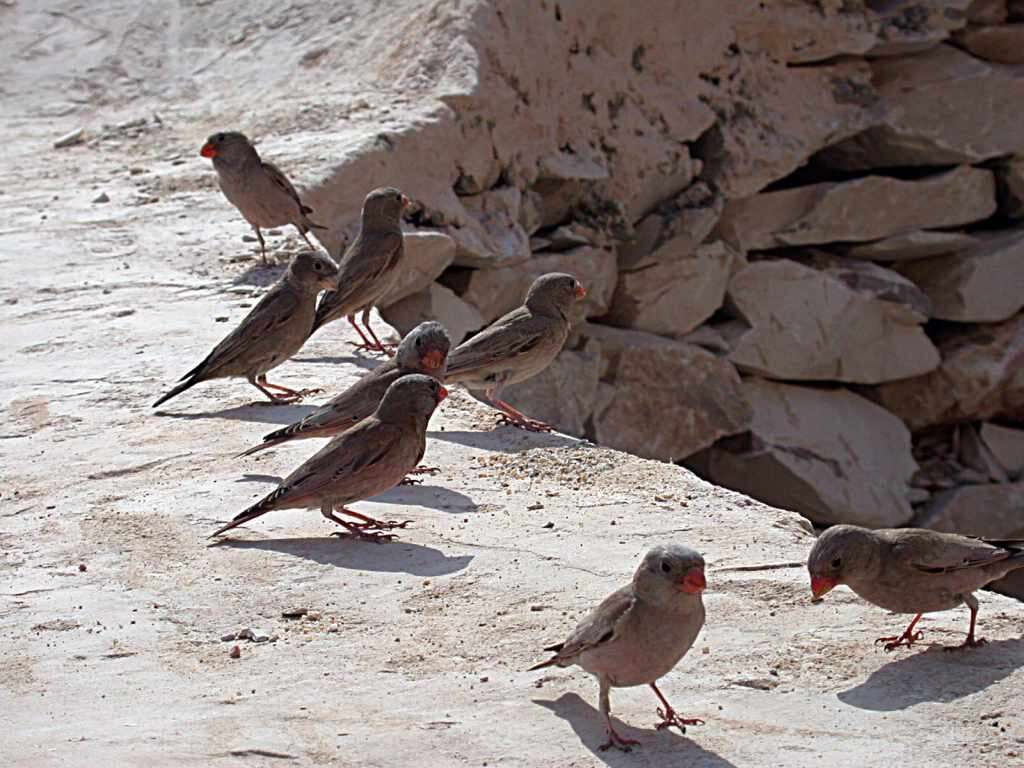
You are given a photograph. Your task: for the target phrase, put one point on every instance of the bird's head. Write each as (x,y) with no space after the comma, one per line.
(384,206)
(555,291)
(669,571)
(228,147)
(425,350)
(315,271)
(841,552)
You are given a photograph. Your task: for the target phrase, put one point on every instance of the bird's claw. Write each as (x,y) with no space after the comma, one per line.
(375,536)
(530,425)
(380,525)
(618,742)
(894,642)
(387,349)
(425,471)
(410,481)
(671,718)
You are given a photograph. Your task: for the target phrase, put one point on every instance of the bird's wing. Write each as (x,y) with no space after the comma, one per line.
(515,334)
(359,400)
(277,176)
(275,309)
(933,552)
(369,256)
(357,450)
(600,625)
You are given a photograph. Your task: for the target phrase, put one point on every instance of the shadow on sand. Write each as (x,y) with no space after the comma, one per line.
(505,439)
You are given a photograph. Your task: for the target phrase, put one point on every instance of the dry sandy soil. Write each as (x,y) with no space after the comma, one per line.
(113,603)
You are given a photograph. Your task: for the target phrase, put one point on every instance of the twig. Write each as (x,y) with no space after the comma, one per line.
(763,567)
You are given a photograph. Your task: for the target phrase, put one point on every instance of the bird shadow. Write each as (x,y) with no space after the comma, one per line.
(345,552)
(429,496)
(505,439)
(266,413)
(369,363)
(253,477)
(935,675)
(588,724)
(261,275)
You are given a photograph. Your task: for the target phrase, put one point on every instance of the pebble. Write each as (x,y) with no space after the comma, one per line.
(101,198)
(82,568)
(122,312)
(76,136)
(235,652)
(246,634)
(294,613)
(249,238)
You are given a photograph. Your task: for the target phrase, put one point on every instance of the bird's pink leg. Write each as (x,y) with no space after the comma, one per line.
(971,641)
(371,346)
(513,417)
(303,234)
(419,471)
(367,344)
(263,246)
(908,638)
(367,531)
(670,717)
(615,739)
(290,395)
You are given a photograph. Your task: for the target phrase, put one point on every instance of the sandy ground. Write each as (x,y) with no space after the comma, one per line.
(113,604)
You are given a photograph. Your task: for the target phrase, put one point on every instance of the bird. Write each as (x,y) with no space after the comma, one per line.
(911,570)
(640,632)
(368,266)
(258,189)
(518,345)
(274,330)
(361,462)
(423,350)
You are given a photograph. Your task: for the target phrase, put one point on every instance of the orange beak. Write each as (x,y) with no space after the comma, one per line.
(820,585)
(208,150)
(581,292)
(442,393)
(432,360)
(693,582)
(405,202)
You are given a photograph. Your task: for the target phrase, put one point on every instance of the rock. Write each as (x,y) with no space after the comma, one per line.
(1003,44)
(435,303)
(496,291)
(983,284)
(986,11)
(909,246)
(426,255)
(1010,183)
(1007,446)
(491,236)
(828,454)
(675,294)
(810,325)
(1012,585)
(910,27)
(102,197)
(867,208)
(564,393)
(935,103)
(678,226)
(76,136)
(235,652)
(663,399)
(975,454)
(981,377)
(990,511)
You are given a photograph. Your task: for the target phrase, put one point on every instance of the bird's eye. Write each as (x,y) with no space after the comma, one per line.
(318,266)
(219,137)
(837,562)
(665,567)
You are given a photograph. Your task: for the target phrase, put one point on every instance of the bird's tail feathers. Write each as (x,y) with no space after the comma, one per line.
(261,507)
(177,390)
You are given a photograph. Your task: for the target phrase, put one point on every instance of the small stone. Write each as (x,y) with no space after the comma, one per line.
(249,239)
(122,312)
(484,679)
(261,639)
(548,525)
(536,608)
(220,319)
(273,231)
(82,568)
(101,198)
(76,136)
(535,506)
(313,616)
(246,634)
(235,652)
(294,613)
(229,637)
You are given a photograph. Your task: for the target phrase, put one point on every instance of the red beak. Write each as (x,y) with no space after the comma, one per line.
(693,582)
(442,393)
(820,585)
(581,292)
(208,150)
(405,202)
(432,360)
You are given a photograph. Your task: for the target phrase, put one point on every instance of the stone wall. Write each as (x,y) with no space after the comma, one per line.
(801,225)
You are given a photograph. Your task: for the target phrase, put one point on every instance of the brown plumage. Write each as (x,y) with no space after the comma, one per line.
(911,570)
(367,269)
(423,350)
(518,345)
(274,330)
(361,462)
(258,189)
(640,632)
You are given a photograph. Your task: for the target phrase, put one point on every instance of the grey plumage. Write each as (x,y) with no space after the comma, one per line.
(911,570)
(274,330)
(518,345)
(367,270)
(423,350)
(367,459)
(258,189)
(641,631)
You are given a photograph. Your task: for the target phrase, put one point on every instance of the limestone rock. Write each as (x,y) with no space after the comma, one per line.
(426,255)
(987,11)
(675,294)
(675,229)
(810,325)
(436,302)
(936,102)
(981,377)
(867,208)
(1007,446)
(1012,585)
(911,245)
(984,284)
(828,454)
(491,235)
(909,26)
(496,291)
(1003,44)
(661,398)
(993,511)
(1010,182)
(564,393)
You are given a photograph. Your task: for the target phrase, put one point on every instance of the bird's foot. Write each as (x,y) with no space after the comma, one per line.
(970,642)
(894,642)
(410,481)
(386,349)
(372,524)
(530,425)
(671,718)
(425,471)
(618,742)
(375,536)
